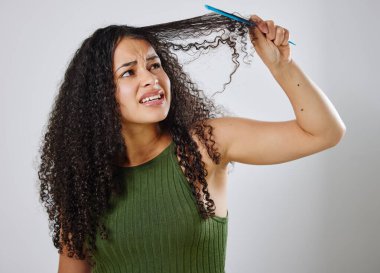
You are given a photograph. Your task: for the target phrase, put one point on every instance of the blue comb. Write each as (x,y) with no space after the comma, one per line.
(234,17)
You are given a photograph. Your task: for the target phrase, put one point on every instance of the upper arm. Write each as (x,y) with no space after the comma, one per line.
(257,142)
(72,265)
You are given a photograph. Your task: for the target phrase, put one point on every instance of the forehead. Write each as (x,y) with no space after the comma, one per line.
(130,49)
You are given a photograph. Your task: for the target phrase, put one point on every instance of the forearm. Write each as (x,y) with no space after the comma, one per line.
(314,112)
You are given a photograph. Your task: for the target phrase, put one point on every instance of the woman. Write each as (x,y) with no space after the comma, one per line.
(134,163)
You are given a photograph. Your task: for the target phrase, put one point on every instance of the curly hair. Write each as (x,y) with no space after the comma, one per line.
(83,145)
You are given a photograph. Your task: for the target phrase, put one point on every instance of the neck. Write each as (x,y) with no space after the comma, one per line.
(144,142)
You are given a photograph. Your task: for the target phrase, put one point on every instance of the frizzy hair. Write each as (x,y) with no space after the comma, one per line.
(83,145)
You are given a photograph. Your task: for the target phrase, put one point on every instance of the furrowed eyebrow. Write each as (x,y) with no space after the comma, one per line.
(135,62)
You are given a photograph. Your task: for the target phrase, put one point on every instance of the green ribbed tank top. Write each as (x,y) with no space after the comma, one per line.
(155,226)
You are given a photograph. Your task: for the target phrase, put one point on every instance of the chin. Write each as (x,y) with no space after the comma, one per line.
(156,118)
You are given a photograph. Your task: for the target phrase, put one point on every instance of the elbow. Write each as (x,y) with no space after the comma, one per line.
(337,134)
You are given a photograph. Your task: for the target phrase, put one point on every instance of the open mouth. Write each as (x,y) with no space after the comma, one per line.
(153,100)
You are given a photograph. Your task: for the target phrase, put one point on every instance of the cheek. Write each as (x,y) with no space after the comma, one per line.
(126,93)
(167,86)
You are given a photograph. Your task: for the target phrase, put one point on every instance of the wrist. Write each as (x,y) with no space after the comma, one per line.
(280,68)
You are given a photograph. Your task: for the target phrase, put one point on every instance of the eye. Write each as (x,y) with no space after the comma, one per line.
(157,65)
(128,71)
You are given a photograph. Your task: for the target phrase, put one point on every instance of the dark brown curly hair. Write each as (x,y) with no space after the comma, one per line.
(83,145)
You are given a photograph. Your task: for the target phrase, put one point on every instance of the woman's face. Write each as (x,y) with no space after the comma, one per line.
(138,74)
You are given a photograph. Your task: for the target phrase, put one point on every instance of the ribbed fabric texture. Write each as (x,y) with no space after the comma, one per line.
(155,226)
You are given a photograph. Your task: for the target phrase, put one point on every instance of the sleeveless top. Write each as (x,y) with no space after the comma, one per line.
(155,226)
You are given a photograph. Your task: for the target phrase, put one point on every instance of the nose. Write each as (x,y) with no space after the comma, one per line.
(149,79)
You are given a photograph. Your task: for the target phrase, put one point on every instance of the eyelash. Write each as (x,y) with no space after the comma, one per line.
(158,66)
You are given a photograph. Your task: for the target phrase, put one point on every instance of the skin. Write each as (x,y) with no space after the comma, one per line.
(317,125)
(139,122)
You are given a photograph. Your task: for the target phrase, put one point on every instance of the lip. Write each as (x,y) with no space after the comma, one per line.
(151,93)
(155,102)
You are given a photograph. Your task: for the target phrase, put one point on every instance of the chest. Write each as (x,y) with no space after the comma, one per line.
(155,225)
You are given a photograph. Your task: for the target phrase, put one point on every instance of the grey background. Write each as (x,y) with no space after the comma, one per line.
(315,214)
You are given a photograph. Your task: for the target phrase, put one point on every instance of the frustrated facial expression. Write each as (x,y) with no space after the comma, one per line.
(142,86)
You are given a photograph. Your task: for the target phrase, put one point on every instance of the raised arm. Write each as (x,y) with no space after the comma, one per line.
(257,142)
(317,125)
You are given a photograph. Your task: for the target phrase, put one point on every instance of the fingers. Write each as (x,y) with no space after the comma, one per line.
(260,23)
(272,30)
(277,34)
(286,38)
(280,35)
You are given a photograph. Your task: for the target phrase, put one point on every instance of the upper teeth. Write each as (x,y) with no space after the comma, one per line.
(151,98)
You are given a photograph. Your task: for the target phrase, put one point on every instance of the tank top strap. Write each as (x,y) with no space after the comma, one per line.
(152,162)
